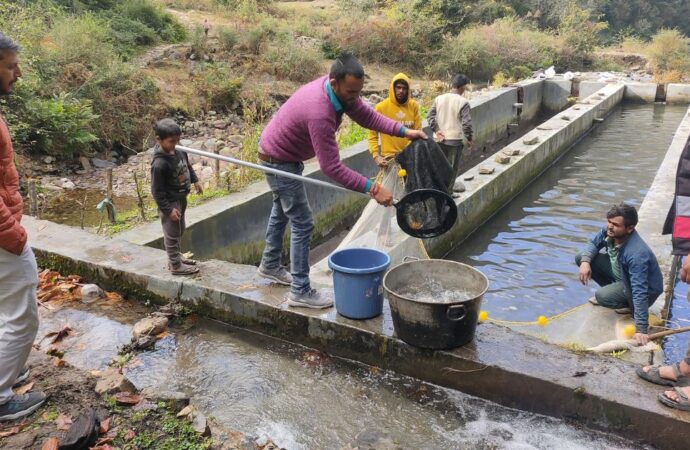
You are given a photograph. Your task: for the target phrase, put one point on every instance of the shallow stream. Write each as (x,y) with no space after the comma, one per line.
(303,399)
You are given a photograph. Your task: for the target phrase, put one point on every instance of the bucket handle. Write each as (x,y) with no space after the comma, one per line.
(410,258)
(450,312)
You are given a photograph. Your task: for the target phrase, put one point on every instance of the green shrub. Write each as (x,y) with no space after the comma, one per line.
(199,42)
(153,15)
(82,40)
(56,126)
(256,38)
(128,34)
(508,45)
(217,86)
(669,51)
(228,38)
(580,34)
(286,59)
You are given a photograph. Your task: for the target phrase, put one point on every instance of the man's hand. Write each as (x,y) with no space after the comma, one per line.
(641,338)
(381,161)
(175,215)
(415,134)
(585,272)
(440,137)
(383,197)
(199,188)
(685,270)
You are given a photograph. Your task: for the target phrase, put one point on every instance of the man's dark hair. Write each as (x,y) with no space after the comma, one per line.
(346,65)
(166,128)
(627,212)
(401,81)
(7,44)
(459,81)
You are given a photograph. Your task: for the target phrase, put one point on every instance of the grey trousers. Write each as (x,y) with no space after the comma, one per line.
(173,231)
(453,151)
(18,315)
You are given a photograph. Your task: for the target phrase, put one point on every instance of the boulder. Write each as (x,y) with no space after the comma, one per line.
(112,381)
(149,326)
(502,158)
(485,170)
(90,293)
(531,140)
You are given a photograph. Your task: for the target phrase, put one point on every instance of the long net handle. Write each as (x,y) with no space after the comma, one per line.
(281,173)
(661,334)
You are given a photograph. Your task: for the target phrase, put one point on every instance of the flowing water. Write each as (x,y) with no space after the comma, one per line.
(305,400)
(528,249)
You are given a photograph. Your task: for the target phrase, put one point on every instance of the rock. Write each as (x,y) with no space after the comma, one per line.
(175,400)
(565,117)
(90,293)
(206,173)
(112,381)
(200,424)
(502,158)
(49,160)
(212,113)
(220,124)
(456,195)
(459,186)
(85,163)
(83,433)
(211,145)
(186,142)
(511,151)
(370,439)
(543,128)
(531,141)
(468,177)
(143,343)
(149,326)
(102,164)
(67,184)
(484,170)
(235,139)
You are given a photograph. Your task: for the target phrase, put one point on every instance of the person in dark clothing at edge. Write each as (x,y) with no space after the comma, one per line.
(678,224)
(302,128)
(628,272)
(171,180)
(449,118)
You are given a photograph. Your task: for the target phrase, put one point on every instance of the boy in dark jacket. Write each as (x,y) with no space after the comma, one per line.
(171,179)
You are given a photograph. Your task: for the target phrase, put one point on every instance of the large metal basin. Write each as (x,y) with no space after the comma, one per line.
(425,318)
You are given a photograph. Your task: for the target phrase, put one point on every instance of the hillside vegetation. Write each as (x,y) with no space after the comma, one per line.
(86,88)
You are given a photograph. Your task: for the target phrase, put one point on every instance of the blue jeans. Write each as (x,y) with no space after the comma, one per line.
(289,204)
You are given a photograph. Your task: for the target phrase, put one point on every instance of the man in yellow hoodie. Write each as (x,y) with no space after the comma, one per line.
(400,107)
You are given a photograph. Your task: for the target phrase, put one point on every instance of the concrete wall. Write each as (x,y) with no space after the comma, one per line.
(491,114)
(232,228)
(587,88)
(678,93)
(556,93)
(640,92)
(532,98)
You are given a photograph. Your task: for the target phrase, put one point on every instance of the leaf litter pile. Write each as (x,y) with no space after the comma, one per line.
(56,291)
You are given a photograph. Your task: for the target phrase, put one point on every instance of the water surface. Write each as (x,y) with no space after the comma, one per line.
(527,250)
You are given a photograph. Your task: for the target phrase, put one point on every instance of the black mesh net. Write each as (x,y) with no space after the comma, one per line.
(426,213)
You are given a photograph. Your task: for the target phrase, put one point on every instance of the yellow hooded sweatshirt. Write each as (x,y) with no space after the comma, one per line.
(406,113)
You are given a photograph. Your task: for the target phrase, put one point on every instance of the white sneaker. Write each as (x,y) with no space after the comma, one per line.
(280,275)
(310,299)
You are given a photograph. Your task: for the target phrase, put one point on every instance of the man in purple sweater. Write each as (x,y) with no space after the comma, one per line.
(302,128)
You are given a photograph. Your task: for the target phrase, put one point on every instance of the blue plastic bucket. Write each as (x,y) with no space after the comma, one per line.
(357,278)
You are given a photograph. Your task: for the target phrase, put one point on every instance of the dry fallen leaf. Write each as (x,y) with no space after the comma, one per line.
(163,335)
(105,426)
(12,431)
(127,399)
(24,389)
(104,440)
(63,422)
(57,362)
(130,435)
(51,444)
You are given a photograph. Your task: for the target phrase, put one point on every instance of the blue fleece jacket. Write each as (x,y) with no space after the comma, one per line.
(639,269)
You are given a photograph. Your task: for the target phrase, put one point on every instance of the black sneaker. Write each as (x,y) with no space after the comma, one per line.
(22,377)
(20,406)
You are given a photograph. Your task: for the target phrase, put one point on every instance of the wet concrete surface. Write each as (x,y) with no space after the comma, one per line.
(500,365)
(303,399)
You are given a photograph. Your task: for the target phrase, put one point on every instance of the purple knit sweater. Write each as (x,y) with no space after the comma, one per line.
(305,126)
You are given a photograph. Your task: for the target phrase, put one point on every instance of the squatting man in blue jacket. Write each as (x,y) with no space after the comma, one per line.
(619,261)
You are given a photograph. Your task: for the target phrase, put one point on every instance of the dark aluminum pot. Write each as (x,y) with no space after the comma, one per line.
(435,323)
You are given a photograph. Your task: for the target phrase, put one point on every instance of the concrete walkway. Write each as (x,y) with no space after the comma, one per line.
(500,365)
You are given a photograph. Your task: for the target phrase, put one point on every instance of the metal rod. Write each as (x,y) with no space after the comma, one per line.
(281,173)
